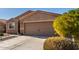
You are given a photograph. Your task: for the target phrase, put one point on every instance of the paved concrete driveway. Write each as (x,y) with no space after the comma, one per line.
(31,43)
(23,43)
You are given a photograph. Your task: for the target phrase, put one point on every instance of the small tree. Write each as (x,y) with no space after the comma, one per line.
(67,25)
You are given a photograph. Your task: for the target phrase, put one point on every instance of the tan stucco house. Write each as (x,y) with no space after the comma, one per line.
(32,23)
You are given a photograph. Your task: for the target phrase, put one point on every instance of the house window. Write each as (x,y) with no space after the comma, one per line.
(12,25)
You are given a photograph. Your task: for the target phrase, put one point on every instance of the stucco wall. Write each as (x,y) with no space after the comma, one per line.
(36,17)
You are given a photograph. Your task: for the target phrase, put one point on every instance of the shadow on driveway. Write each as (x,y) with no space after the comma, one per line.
(42,37)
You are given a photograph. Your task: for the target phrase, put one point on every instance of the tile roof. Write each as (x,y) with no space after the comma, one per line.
(25,13)
(29,13)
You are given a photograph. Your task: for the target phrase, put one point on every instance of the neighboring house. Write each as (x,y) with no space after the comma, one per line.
(2,26)
(32,23)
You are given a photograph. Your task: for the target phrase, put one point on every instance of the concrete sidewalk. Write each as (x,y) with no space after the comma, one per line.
(22,43)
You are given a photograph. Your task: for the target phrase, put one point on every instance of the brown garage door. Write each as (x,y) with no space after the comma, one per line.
(40,28)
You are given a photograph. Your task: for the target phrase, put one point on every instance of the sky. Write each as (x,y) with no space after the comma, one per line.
(7,13)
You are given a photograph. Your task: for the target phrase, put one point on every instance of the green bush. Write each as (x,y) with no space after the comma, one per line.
(1,34)
(58,43)
(67,25)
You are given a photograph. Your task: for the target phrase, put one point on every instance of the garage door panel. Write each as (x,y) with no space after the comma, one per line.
(44,28)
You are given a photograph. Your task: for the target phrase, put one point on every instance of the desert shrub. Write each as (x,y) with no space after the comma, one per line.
(58,43)
(1,34)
